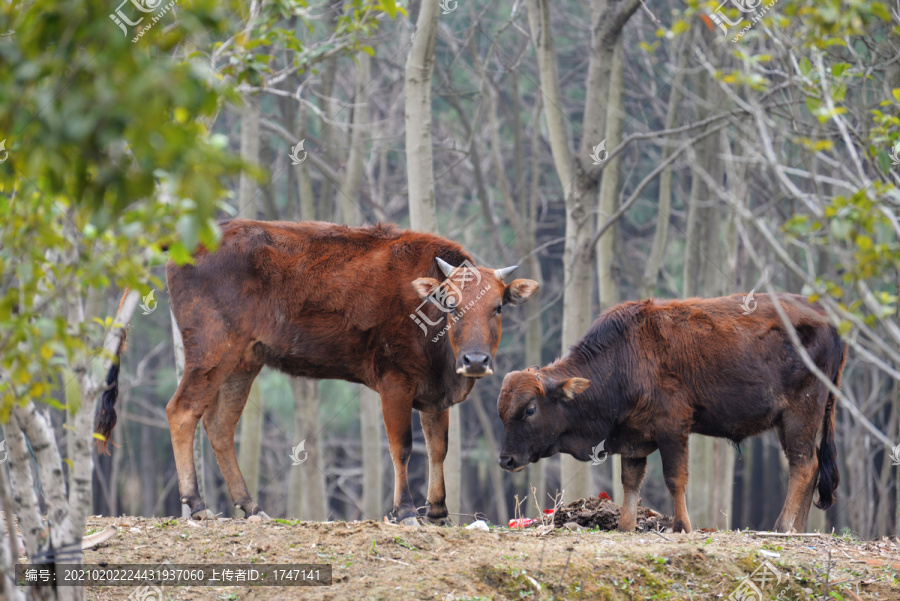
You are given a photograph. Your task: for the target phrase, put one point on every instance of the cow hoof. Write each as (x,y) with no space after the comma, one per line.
(260,516)
(203,514)
(444,521)
(412,521)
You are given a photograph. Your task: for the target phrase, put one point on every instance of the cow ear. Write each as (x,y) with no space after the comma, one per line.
(519,291)
(572,386)
(425,286)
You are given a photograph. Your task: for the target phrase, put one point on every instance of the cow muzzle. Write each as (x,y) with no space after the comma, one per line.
(474,365)
(511,463)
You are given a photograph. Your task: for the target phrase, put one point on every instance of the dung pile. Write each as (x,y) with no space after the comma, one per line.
(604,514)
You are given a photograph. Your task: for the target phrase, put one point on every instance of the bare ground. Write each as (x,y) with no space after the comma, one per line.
(373,560)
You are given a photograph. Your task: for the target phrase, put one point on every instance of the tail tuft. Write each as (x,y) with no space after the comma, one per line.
(829,478)
(106,412)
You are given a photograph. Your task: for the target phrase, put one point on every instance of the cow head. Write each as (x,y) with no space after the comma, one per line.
(535,415)
(471,300)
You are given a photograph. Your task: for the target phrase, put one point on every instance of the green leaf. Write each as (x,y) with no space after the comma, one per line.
(680,26)
(840,229)
(863,242)
(188,228)
(813,104)
(838,69)
(180,254)
(884,160)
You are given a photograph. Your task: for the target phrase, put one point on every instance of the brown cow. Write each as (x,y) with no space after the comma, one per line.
(649,373)
(319,300)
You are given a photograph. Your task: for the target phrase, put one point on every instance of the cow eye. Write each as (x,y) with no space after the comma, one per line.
(530,411)
(499,309)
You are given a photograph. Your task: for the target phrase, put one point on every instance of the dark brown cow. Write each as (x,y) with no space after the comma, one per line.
(649,373)
(319,300)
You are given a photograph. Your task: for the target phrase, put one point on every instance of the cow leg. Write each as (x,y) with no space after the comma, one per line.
(674,454)
(195,393)
(798,440)
(396,407)
(806,503)
(435,426)
(633,470)
(220,421)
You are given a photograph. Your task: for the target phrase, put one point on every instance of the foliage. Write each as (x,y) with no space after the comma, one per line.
(110,161)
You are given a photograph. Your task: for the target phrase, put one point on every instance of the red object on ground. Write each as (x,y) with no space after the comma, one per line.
(523,523)
(603,495)
(549,511)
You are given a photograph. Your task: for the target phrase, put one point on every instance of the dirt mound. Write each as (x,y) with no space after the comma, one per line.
(604,514)
(373,561)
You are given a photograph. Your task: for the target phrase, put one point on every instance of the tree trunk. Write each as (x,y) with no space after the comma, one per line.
(664,198)
(248,191)
(711,460)
(306,209)
(534,334)
(419,161)
(420,182)
(249,203)
(9,547)
(349,190)
(148,470)
(577,276)
(306,481)
(370,416)
(897,470)
(371,423)
(250,448)
(31,441)
(607,204)
(328,210)
(579,184)
(494,471)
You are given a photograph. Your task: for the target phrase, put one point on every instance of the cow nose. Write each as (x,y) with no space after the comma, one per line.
(476,362)
(507,462)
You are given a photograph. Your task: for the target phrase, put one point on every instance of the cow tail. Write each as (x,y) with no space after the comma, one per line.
(829,478)
(106,412)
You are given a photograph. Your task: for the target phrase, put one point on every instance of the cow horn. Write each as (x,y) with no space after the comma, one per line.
(502,273)
(446,267)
